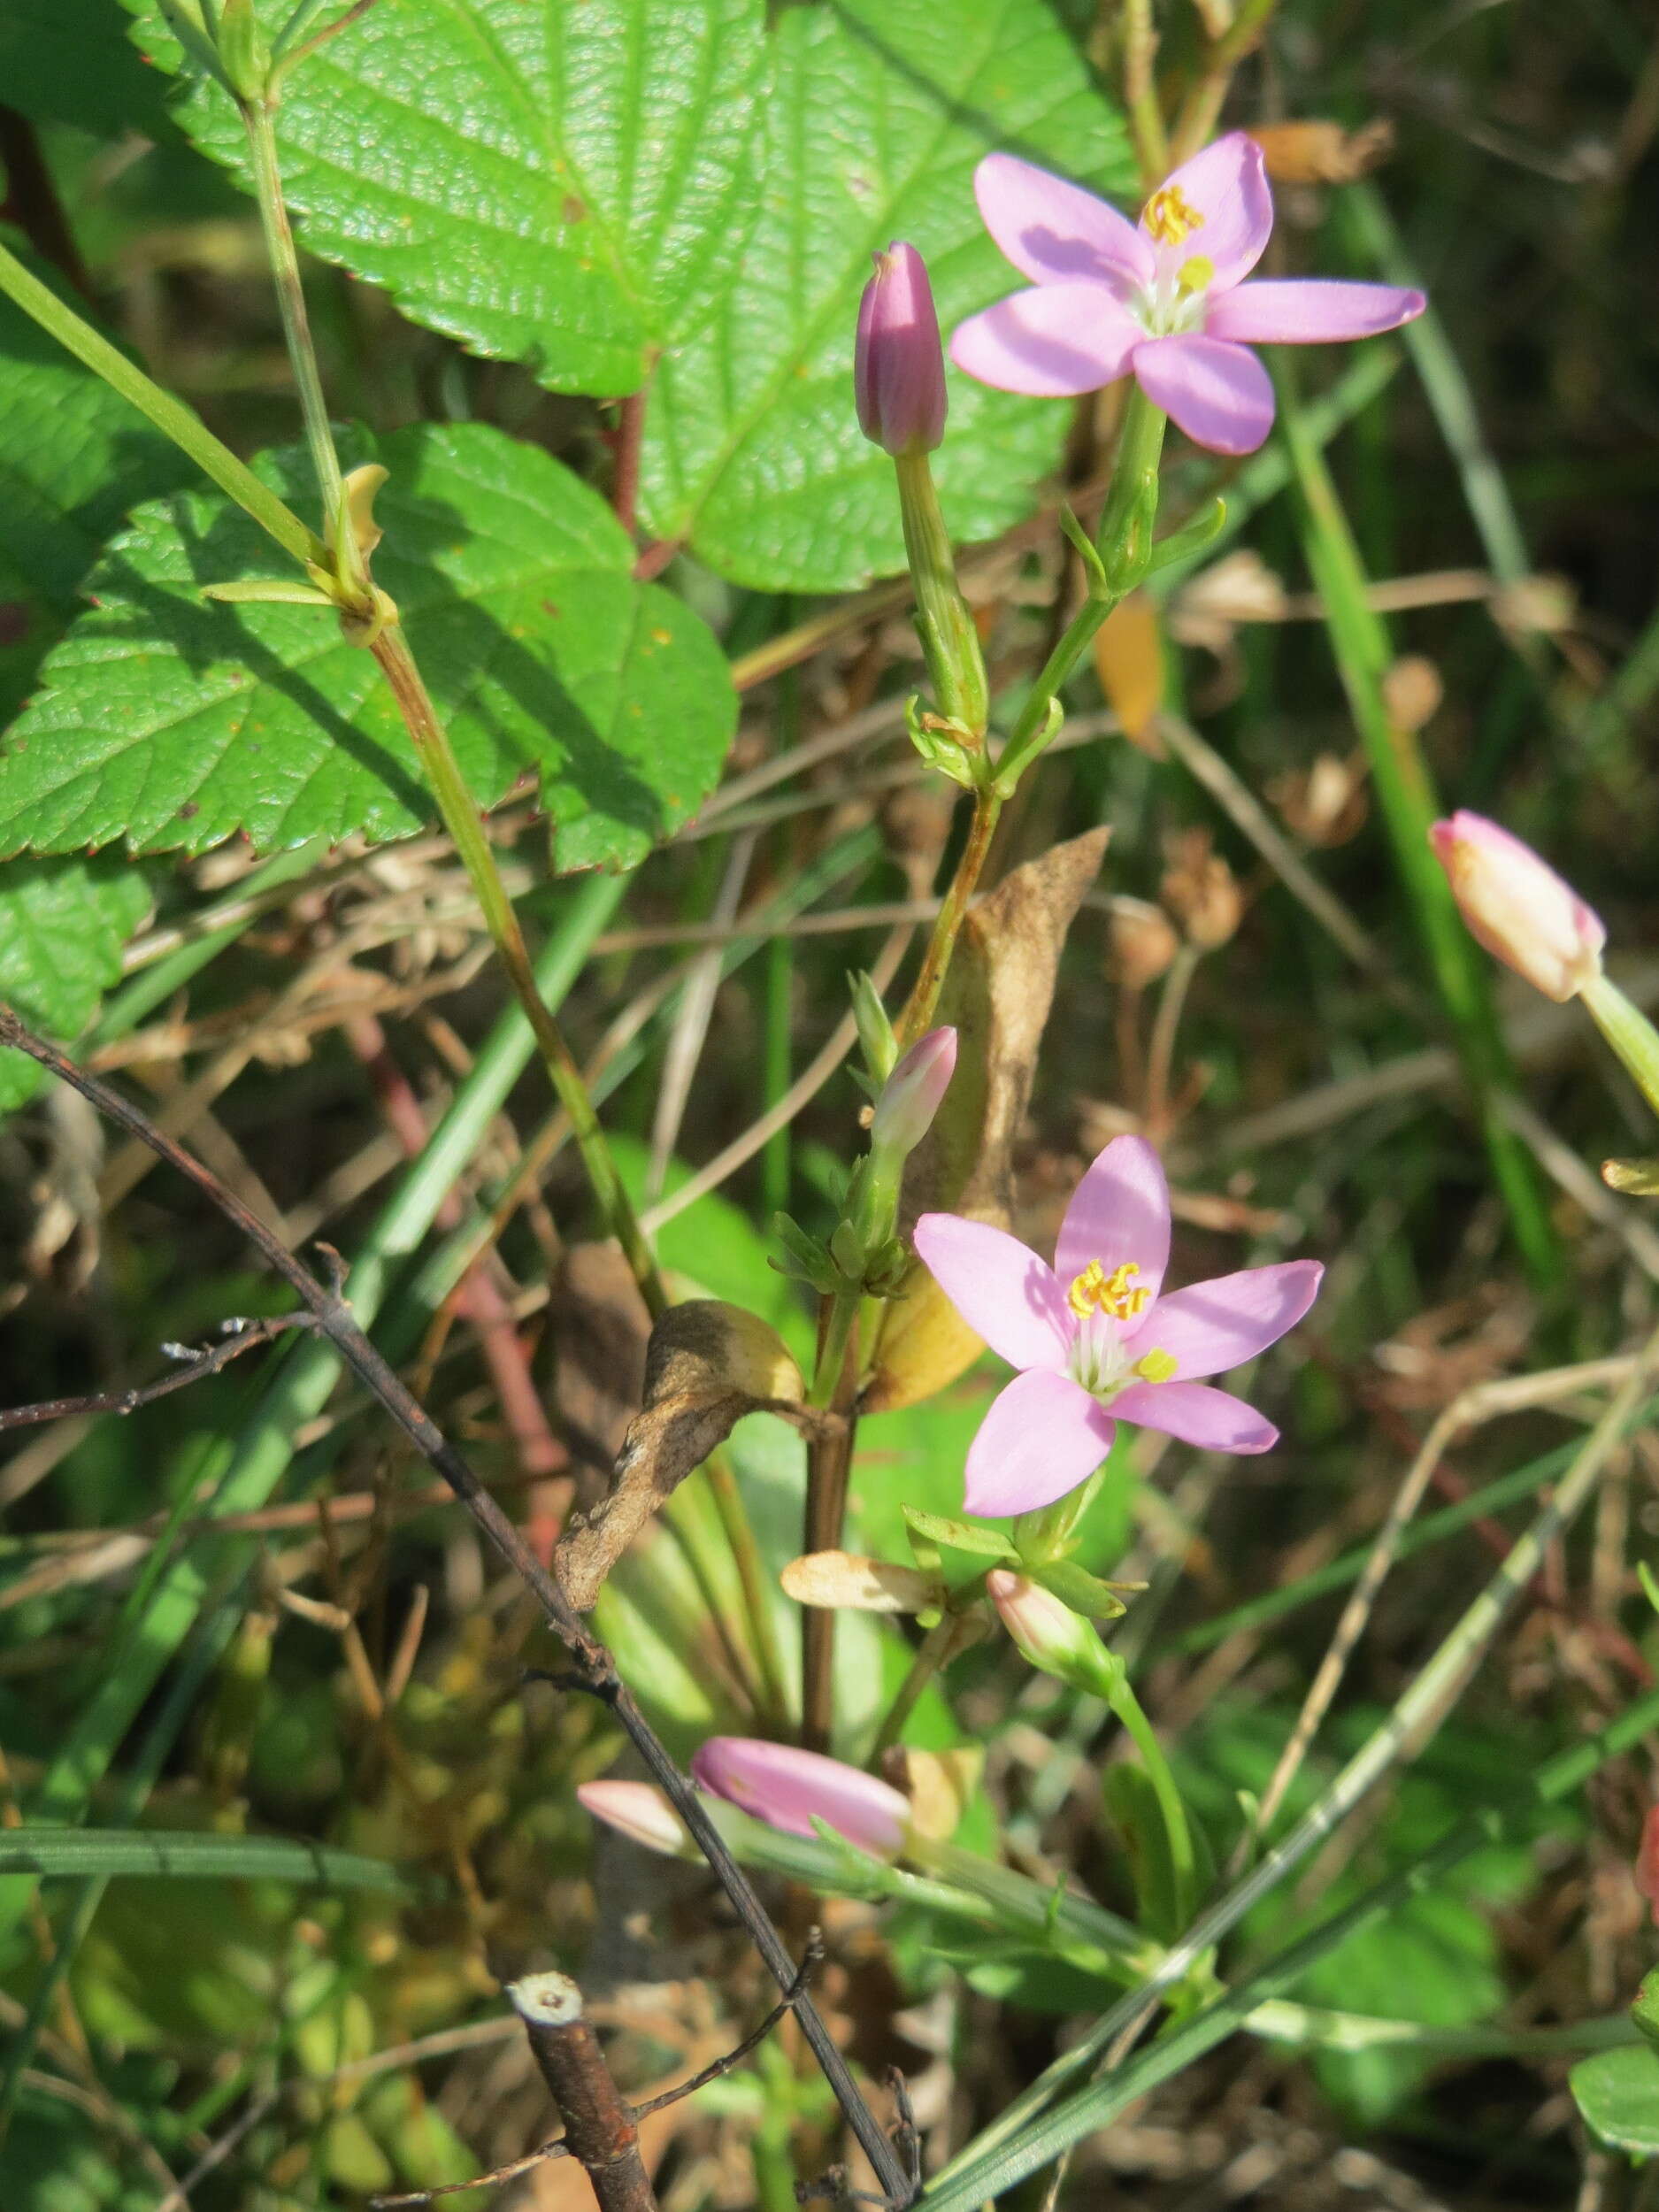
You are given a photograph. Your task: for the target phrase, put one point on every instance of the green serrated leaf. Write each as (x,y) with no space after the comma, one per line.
(564,186)
(970,1536)
(878,111)
(173,722)
(63,923)
(1617,2092)
(73,458)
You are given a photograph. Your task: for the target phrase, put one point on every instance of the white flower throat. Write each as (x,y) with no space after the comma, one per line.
(1173,304)
(1100,1360)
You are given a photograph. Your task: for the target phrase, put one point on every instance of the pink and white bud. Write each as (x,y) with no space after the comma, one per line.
(899,365)
(642,1813)
(913,1093)
(1517,907)
(789,1789)
(1056,1640)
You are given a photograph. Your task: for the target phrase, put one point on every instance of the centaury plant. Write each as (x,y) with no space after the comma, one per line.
(635,1580)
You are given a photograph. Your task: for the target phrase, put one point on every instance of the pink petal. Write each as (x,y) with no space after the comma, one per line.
(1211,1326)
(1001,1289)
(1197,1415)
(1053,341)
(1309,311)
(1120,1211)
(1221,395)
(1052,231)
(788,1789)
(1227,185)
(1043,1435)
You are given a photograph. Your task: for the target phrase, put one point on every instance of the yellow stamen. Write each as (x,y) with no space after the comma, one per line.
(1195,274)
(1156,1366)
(1170,216)
(1096,1291)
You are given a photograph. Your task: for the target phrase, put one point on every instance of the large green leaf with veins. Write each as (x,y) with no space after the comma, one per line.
(172,722)
(567,185)
(878,111)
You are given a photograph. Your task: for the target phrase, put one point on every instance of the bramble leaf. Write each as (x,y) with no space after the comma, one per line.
(63,923)
(562,186)
(173,722)
(878,111)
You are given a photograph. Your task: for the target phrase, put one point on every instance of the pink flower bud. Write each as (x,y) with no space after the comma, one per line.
(643,1814)
(1056,1640)
(1648,1862)
(1518,908)
(899,367)
(788,1789)
(912,1093)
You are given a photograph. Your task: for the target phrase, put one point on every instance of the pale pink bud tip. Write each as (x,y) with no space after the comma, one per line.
(642,1812)
(1048,1633)
(913,1093)
(1648,1862)
(788,1789)
(1517,907)
(899,365)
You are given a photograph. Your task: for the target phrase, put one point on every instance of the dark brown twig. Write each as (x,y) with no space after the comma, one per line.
(625,452)
(600,2131)
(594,1663)
(196,1363)
(562,2146)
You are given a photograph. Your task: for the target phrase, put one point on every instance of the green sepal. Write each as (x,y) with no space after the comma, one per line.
(1051,1532)
(1088,553)
(875,1039)
(244,58)
(1204,528)
(805,1259)
(1018,758)
(942,744)
(939,1528)
(1084,1593)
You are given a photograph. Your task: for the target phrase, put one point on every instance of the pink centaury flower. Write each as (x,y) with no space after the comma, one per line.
(788,1789)
(898,365)
(1095,1342)
(1164,301)
(1517,907)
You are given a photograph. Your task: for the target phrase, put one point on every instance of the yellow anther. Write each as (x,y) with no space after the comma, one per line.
(1156,1366)
(1096,1291)
(1195,274)
(1170,216)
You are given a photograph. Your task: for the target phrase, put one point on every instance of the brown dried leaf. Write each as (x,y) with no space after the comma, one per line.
(708,1363)
(836,1579)
(998,995)
(1323,153)
(600,1328)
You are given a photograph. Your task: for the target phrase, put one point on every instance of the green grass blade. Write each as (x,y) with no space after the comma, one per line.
(157,1854)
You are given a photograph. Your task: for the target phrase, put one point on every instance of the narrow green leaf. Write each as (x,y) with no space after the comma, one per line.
(879,112)
(969,1536)
(562,186)
(173,722)
(54,1852)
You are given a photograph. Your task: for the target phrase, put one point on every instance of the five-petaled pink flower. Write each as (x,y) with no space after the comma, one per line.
(1165,300)
(1092,1332)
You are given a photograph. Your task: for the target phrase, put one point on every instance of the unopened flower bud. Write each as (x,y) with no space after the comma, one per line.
(913,1095)
(642,1813)
(899,365)
(1056,1640)
(788,1789)
(243,52)
(1517,907)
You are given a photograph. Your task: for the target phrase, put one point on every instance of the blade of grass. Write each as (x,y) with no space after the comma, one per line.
(1363,653)
(188,1856)
(245,1472)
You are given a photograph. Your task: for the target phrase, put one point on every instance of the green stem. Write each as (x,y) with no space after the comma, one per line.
(1178,1835)
(931,1654)
(1364,652)
(259,120)
(1629,1032)
(465,822)
(169,416)
(922,1002)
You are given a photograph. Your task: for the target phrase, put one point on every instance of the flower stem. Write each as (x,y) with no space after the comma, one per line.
(259,120)
(1177,1834)
(464,821)
(920,1008)
(169,416)
(1628,1030)
(934,1650)
(828,1469)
